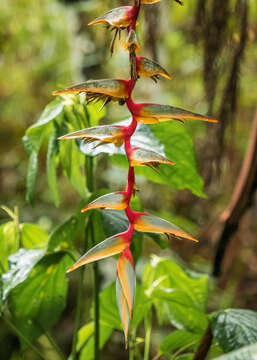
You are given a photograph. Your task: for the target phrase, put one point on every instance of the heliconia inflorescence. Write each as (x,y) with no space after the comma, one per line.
(125,18)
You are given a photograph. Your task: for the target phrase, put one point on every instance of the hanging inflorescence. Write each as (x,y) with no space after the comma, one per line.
(125,19)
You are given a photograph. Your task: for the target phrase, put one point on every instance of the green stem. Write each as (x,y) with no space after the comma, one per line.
(55,345)
(132,345)
(148,329)
(21,336)
(78,305)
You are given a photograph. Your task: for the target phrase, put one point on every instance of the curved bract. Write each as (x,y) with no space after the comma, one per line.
(131,41)
(141,157)
(104,134)
(110,246)
(115,201)
(146,67)
(127,277)
(118,17)
(148,223)
(123,310)
(115,88)
(148,113)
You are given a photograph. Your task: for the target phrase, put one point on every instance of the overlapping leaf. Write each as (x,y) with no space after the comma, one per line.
(234,328)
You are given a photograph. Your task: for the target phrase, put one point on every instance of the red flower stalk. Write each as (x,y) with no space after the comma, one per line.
(121,91)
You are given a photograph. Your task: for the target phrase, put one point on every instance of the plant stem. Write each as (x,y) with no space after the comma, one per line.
(90,185)
(55,345)
(148,329)
(205,344)
(21,336)
(132,345)
(78,314)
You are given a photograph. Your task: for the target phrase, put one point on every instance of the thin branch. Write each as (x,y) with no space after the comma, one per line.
(205,344)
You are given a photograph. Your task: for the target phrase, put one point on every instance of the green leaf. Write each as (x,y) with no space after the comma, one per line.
(234,328)
(177,296)
(39,130)
(142,305)
(31,172)
(245,353)
(86,340)
(72,162)
(168,138)
(179,147)
(52,163)
(109,315)
(63,237)
(20,265)
(33,236)
(37,302)
(9,243)
(180,339)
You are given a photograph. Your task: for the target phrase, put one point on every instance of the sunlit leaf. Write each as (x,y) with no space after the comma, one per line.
(179,298)
(85,345)
(37,303)
(20,265)
(33,236)
(9,243)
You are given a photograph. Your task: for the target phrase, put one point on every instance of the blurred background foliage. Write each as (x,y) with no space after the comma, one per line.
(210,49)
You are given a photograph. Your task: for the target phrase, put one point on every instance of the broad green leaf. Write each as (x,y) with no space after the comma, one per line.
(20,265)
(52,162)
(39,130)
(33,236)
(178,297)
(245,353)
(142,305)
(9,243)
(37,302)
(109,315)
(86,340)
(179,148)
(234,328)
(62,238)
(72,162)
(180,339)
(170,139)
(31,172)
